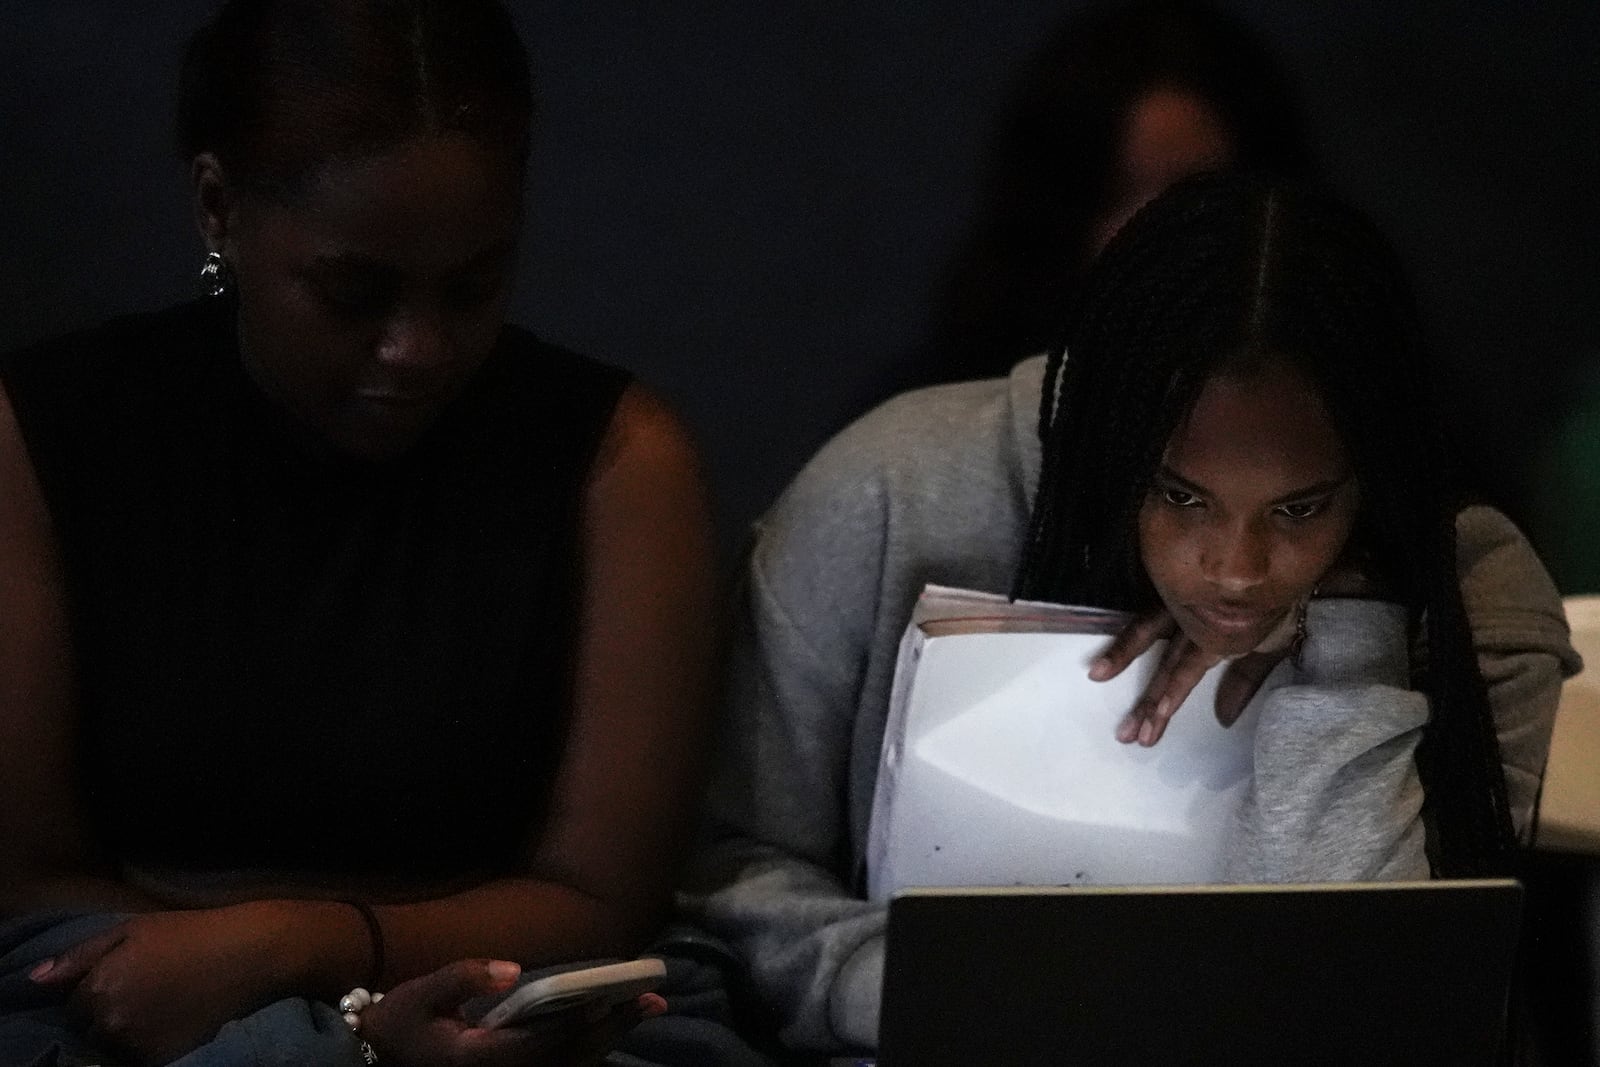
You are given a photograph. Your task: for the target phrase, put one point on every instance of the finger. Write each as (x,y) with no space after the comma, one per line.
(1150,701)
(1188,667)
(70,967)
(572,1037)
(447,988)
(1240,683)
(1134,640)
(530,1041)
(601,1034)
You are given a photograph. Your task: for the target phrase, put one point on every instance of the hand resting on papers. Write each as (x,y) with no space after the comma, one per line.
(1184,663)
(1182,666)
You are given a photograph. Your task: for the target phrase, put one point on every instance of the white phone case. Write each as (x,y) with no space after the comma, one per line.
(611,984)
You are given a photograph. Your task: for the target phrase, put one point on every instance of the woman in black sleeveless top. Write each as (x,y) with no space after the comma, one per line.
(349,632)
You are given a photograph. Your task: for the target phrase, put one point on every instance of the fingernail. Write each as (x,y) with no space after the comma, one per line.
(1128,728)
(1147,733)
(42,969)
(503,971)
(1164,709)
(651,1005)
(1100,669)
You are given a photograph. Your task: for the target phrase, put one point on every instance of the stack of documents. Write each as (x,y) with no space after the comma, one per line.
(1001,765)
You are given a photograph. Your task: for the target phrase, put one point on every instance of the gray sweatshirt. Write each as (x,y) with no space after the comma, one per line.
(936,486)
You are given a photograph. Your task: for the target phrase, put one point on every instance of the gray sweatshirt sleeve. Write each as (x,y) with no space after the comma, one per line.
(774,877)
(1335,795)
(1519,631)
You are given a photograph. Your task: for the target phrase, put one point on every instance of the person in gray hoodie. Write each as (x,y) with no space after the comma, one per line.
(1234,441)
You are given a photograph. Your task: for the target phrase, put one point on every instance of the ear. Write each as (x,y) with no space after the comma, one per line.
(214,200)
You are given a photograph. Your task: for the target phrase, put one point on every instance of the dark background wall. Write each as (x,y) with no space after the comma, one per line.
(748,203)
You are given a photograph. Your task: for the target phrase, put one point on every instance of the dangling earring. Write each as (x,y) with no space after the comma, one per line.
(1297,644)
(216,278)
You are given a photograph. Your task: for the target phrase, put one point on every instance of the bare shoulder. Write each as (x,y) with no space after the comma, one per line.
(23,517)
(645,439)
(646,493)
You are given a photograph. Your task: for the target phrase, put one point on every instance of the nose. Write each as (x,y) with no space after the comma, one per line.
(1237,557)
(414,340)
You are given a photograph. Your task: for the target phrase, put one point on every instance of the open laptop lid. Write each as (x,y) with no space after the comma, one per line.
(1375,973)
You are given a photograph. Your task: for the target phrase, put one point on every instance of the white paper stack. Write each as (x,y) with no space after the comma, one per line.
(1001,765)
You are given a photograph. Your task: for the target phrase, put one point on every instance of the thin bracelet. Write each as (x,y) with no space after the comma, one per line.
(375,933)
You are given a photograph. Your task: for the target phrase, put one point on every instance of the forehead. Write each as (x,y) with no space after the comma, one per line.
(423,206)
(1264,432)
(1171,134)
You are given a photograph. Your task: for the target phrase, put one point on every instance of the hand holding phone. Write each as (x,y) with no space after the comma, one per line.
(605,986)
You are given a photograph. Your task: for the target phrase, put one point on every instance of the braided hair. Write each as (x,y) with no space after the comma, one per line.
(275,88)
(1226,272)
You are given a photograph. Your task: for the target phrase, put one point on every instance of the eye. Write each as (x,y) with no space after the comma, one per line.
(472,292)
(353,298)
(1301,509)
(1180,498)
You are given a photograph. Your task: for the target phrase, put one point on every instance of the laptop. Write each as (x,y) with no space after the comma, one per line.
(1412,973)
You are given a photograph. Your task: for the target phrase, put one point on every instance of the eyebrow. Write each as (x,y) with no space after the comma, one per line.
(359,262)
(348,261)
(1321,488)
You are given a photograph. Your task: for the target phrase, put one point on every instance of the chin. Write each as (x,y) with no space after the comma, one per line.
(377,448)
(1212,645)
(377,439)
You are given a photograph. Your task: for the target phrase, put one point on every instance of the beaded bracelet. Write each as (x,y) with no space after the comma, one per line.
(350,1006)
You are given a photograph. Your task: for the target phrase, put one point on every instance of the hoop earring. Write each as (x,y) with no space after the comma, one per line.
(216,277)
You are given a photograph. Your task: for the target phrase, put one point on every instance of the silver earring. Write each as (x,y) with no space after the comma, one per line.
(216,278)
(1297,644)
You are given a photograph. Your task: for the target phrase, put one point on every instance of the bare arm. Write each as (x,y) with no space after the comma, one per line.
(47,857)
(599,878)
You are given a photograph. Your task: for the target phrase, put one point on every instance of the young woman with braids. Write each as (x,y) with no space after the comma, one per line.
(1234,436)
(353,638)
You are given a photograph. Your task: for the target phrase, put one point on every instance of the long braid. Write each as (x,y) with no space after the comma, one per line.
(1043,524)
(1411,528)
(1220,272)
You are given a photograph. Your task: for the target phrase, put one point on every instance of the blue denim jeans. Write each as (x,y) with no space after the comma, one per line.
(38,1027)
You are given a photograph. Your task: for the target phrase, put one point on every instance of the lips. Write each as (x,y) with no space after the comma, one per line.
(1231,619)
(396,403)
(393,397)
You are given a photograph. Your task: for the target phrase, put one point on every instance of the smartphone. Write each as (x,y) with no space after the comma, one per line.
(611,985)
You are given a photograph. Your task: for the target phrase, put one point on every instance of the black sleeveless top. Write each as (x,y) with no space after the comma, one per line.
(302,662)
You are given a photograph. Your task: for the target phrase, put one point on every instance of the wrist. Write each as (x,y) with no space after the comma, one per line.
(322,947)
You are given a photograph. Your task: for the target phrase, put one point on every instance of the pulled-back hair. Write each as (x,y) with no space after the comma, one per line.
(1217,276)
(1054,166)
(275,88)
